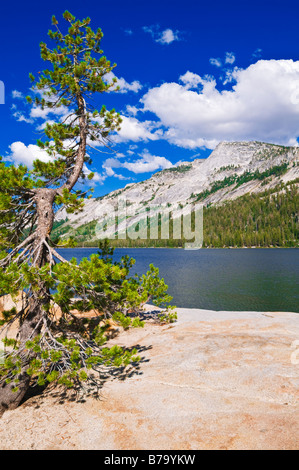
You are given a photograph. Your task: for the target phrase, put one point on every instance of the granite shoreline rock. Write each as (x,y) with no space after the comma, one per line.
(212,380)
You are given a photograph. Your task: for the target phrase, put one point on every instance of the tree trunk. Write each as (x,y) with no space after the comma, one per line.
(31,324)
(12,394)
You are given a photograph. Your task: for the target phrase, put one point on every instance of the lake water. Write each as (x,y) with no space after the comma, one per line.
(220,279)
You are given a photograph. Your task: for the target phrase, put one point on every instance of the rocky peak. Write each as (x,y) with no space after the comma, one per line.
(190,181)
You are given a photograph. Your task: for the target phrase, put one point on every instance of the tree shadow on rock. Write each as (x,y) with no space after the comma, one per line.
(152,315)
(35,395)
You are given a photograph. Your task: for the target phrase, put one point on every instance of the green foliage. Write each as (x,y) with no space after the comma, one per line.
(178,169)
(155,287)
(64,345)
(7,315)
(71,201)
(67,243)
(78,66)
(16,203)
(263,220)
(76,70)
(46,365)
(76,345)
(168,316)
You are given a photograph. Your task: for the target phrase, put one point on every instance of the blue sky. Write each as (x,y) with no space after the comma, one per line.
(191,74)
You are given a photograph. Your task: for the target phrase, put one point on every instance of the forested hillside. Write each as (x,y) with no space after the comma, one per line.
(265,219)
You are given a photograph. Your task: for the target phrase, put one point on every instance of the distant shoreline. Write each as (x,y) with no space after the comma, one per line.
(182,248)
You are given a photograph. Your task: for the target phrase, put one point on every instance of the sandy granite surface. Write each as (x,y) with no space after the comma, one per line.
(212,380)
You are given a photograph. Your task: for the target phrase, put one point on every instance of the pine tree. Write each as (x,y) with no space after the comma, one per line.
(66,350)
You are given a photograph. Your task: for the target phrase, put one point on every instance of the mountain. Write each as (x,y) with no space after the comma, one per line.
(233,170)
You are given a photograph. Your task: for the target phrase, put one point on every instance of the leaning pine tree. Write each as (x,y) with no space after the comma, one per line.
(66,349)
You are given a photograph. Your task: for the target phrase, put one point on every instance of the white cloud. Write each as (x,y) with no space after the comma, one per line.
(37,112)
(111,163)
(20,153)
(42,126)
(191,80)
(97,177)
(263,104)
(133,110)
(147,163)
(230,58)
(17,94)
(123,85)
(167,36)
(230,75)
(135,130)
(21,118)
(216,62)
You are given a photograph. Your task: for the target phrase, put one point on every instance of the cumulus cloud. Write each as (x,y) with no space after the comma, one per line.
(263,104)
(230,75)
(26,154)
(110,164)
(133,110)
(216,62)
(38,112)
(167,36)
(20,153)
(97,177)
(230,57)
(17,94)
(135,130)
(123,85)
(21,117)
(147,163)
(191,80)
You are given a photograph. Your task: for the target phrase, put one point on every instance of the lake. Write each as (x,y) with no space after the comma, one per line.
(220,279)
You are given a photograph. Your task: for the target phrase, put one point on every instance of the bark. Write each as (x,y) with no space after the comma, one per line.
(32,324)
(9,398)
(82,145)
